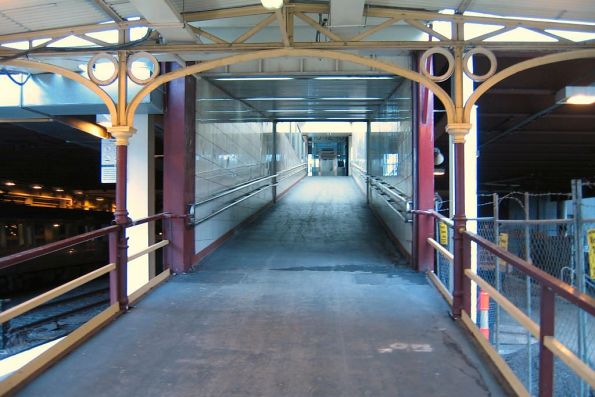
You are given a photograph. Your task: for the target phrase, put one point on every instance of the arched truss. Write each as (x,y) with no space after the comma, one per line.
(46,67)
(120,118)
(292,52)
(519,67)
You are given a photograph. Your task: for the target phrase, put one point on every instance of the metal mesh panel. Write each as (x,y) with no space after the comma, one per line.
(559,248)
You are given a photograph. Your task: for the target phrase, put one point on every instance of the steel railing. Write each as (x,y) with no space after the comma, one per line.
(119,298)
(549,346)
(396,201)
(275,179)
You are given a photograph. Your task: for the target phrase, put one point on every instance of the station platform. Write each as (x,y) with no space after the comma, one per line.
(311,299)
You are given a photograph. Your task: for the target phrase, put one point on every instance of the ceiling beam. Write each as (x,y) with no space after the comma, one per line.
(281,20)
(319,27)
(164,13)
(255,29)
(109,11)
(346,17)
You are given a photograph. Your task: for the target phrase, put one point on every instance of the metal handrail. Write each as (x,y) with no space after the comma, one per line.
(19,257)
(447,221)
(381,184)
(225,208)
(564,290)
(243,185)
(290,175)
(360,169)
(397,211)
(192,208)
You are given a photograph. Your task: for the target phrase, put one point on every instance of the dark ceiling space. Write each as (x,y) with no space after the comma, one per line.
(32,157)
(526,141)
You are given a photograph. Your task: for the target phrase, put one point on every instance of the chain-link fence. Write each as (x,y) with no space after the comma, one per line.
(556,246)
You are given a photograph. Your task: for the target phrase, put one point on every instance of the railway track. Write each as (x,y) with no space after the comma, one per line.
(51,320)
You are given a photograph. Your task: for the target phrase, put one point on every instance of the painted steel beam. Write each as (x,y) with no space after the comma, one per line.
(163,12)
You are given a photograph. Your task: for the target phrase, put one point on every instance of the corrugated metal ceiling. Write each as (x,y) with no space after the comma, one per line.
(26,15)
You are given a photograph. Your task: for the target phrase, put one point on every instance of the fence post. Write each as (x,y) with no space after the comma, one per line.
(368,162)
(274,163)
(496,213)
(579,271)
(527,230)
(121,219)
(547,328)
(5,326)
(113,275)
(461,296)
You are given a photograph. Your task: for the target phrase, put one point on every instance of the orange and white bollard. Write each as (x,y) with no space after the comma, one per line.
(484,310)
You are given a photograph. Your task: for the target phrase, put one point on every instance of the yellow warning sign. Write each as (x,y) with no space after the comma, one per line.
(591,242)
(503,241)
(443,233)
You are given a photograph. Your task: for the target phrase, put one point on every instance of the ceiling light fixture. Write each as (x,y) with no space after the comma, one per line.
(9,183)
(37,187)
(253,78)
(438,156)
(272,4)
(353,78)
(273,99)
(575,95)
(350,99)
(439,171)
(349,110)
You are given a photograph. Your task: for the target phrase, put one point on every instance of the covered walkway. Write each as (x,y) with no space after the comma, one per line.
(311,299)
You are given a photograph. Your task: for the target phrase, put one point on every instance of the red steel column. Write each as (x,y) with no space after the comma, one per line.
(179,167)
(121,219)
(423,226)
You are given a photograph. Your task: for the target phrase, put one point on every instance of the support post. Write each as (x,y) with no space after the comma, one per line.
(274,163)
(121,219)
(423,226)
(546,357)
(179,168)
(113,275)
(579,271)
(368,161)
(462,250)
(527,232)
(496,204)
(122,134)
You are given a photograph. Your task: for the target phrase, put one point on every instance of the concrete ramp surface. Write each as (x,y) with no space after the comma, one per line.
(312,299)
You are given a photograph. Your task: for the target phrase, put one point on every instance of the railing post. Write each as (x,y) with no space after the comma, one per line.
(113,275)
(496,206)
(546,357)
(122,135)
(368,162)
(5,328)
(579,270)
(274,163)
(461,296)
(166,230)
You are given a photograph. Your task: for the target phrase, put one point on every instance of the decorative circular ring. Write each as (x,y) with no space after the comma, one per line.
(140,55)
(488,54)
(446,54)
(93,61)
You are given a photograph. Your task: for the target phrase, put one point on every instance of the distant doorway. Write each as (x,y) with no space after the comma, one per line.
(327,156)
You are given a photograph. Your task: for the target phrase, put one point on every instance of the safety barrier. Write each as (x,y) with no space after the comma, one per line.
(274,179)
(119,298)
(397,201)
(553,293)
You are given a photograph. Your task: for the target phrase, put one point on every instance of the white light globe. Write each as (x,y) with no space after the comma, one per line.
(272,4)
